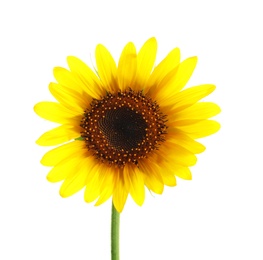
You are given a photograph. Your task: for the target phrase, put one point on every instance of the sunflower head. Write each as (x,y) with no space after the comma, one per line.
(127,126)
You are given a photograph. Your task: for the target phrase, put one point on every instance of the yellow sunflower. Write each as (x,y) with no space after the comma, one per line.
(126,126)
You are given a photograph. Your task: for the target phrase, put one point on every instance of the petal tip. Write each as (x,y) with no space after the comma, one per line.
(118,206)
(63,193)
(35,108)
(71,59)
(99,47)
(195,59)
(38,141)
(56,70)
(152,40)
(50,179)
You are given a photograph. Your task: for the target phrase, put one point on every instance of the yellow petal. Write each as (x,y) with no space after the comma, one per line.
(152,178)
(169,63)
(169,167)
(107,68)
(191,95)
(153,184)
(87,76)
(107,186)
(168,178)
(69,98)
(134,178)
(55,112)
(64,169)
(67,79)
(201,129)
(175,81)
(185,141)
(120,193)
(76,180)
(164,172)
(127,66)
(186,122)
(92,190)
(62,152)
(58,135)
(182,172)
(201,110)
(104,196)
(146,59)
(185,71)
(176,154)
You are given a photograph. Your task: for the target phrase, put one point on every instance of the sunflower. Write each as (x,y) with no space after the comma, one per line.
(126,126)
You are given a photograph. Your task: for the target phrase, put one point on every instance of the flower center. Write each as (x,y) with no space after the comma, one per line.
(123,127)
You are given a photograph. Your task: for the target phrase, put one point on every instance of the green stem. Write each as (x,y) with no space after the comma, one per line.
(115,229)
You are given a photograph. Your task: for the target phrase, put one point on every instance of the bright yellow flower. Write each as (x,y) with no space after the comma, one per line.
(128,127)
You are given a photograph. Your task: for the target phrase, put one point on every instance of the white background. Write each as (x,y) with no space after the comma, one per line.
(217,215)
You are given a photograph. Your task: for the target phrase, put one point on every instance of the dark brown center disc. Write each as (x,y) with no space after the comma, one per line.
(123,127)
